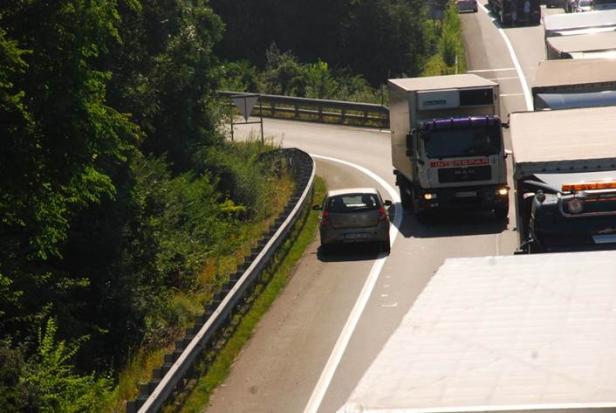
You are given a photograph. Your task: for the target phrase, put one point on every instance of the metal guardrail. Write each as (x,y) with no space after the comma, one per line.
(179,365)
(318,110)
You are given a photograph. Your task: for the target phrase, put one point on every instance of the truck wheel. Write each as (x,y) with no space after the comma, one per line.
(405,198)
(501,212)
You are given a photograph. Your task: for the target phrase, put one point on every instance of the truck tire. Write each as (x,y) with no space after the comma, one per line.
(406,199)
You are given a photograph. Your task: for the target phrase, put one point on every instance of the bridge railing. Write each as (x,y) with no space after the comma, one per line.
(318,110)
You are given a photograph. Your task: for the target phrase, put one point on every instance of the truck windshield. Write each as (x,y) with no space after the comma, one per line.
(452,143)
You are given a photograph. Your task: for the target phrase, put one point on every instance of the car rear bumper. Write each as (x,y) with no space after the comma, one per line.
(331,235)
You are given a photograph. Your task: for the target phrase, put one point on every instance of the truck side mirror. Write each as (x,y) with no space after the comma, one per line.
(508,152)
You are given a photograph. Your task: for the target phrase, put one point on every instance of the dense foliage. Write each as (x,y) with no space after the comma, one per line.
(116,185)
(373,38)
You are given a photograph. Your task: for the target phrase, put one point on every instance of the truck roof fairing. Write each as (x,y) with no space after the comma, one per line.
(441,82)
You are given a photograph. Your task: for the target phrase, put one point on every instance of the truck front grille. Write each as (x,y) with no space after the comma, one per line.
(468,174)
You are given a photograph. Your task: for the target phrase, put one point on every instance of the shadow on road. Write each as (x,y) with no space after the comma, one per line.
(451,224)
(350,252)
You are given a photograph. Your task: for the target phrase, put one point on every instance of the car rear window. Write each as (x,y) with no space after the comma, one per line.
(352,203)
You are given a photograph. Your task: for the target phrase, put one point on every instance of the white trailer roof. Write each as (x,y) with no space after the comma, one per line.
(442,82)
(554,23)
(563,140)
(574,72)
(511,333)
(591,42)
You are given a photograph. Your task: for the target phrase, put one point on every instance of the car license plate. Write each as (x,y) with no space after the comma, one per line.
(604,239)
(466,194)
(356,235)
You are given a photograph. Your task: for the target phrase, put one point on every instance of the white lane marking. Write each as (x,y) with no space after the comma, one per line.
(504,69)
(504,95)
(318,393)
(516,63)
(392,305)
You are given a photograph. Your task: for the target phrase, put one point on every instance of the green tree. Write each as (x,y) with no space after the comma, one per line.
(166,75)
(61,142)
(57,387)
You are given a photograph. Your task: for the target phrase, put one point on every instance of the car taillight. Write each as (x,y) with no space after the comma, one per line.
(324,218)
(382,214)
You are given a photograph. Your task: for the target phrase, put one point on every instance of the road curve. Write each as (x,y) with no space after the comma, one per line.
(281,365)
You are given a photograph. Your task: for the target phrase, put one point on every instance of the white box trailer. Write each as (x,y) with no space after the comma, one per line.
(509,334)
(566,84)
(564,171)
(582,46)
(446,143)
(579,23)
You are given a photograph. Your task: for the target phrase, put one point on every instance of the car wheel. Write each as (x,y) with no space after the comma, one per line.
(386,246)
(326,249)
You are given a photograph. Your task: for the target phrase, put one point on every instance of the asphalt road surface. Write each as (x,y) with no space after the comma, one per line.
(312,347)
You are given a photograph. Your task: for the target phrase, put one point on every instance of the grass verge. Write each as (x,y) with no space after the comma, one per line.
(450,57)
(293,249)
(187,305)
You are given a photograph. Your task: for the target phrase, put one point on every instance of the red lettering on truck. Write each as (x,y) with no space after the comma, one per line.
(459,162)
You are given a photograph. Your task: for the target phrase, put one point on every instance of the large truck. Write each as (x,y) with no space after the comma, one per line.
(512,12)
(582,46)
(579,23)
(447,144)
(506,334)
(565,178)
(568,84)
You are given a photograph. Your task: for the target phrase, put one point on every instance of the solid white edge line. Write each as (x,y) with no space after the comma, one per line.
(318,393)
(516,63)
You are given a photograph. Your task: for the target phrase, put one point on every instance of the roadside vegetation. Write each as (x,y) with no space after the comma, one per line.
(122,207)
(288,258)
(449,57)
(350,61)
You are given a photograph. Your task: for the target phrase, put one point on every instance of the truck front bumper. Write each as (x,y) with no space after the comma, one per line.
(463,198)
(561,234)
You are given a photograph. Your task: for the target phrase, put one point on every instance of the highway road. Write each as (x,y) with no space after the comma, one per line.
(312,347)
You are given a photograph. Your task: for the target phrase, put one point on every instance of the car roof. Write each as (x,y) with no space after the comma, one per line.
(344,191)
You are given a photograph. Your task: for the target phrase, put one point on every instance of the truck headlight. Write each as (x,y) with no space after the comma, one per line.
(575,206)
(502,191)
(429,196)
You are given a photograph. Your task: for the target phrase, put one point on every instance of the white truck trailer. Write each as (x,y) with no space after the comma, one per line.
(582,46)
(579,23)
(507,334)
(564,172)
(567,84)
(447,144)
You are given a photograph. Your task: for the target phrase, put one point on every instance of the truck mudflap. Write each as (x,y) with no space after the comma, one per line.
(493,197)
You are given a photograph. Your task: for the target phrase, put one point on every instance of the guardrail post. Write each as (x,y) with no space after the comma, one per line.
(296,107)
(342,115)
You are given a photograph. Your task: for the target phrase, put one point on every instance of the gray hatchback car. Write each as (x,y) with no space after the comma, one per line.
(354,215)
